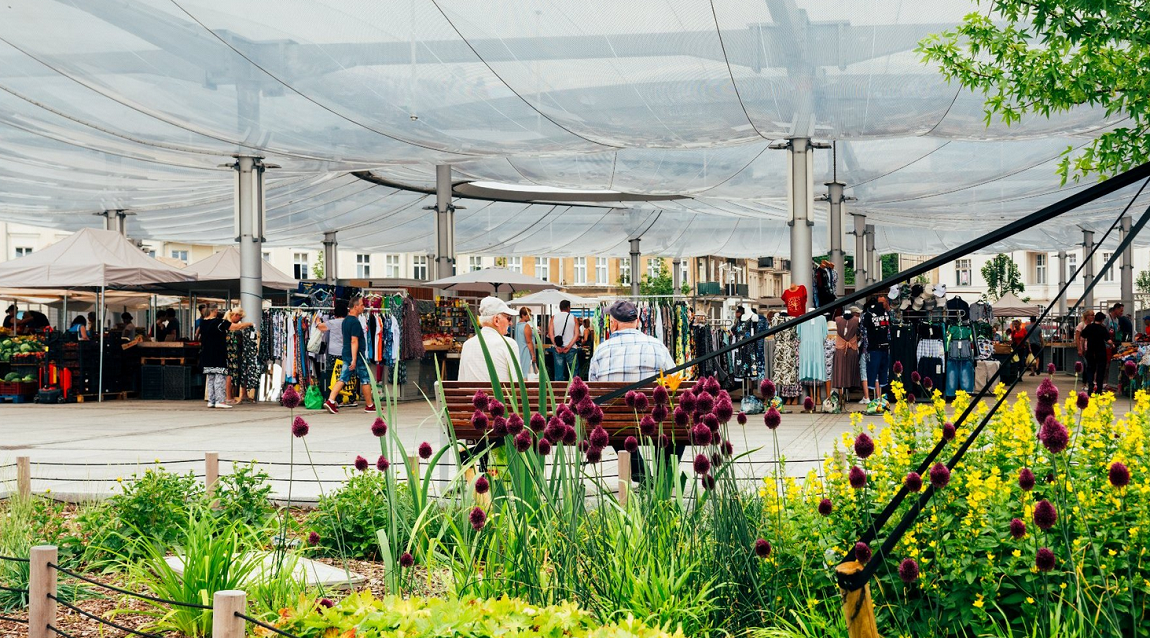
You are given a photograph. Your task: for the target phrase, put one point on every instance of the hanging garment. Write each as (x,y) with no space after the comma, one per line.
(903,341)
(786,364)
(846,369)
(812,350)
(411,345)
(829,348)
(250,368)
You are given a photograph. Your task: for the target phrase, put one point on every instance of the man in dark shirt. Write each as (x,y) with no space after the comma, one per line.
(10,318)
(172,329)
(34,321)
(354,363)
(1097,337)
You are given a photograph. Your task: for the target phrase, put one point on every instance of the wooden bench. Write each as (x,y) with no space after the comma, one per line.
(618,418)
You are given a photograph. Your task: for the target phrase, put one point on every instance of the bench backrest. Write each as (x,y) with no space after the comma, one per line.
(618,419)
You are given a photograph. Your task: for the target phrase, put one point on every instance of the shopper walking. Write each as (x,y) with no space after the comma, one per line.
(525,341)
(213,354)
(332,330)
(354,346)
(1097,339)
(562,334)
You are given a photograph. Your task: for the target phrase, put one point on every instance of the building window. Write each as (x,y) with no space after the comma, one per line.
(151,253)
(266,256)
(600,270)
(962,272)
(515,264)
(182,255)
(299,265)
(625,270)
(475,263)
(363,266)
(653,267)
(1108,275)
(1040,268)
(1071,266)
(419,267)
(580,269)
(543,268)
(683,271)
(22,251)
(391,266)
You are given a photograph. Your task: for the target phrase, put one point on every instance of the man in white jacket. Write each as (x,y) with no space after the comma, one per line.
(494,317)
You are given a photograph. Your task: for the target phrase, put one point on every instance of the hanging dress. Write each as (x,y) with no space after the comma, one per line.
(786,368)
(812,350)
(846,367)
(250,366)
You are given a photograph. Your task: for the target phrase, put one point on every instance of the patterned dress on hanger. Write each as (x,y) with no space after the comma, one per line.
(786,368)
(250,367)
(234,350)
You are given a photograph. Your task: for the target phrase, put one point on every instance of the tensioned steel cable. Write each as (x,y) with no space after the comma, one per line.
(859,579)
(102,621)
(126,592)
(260,623)
(1045,214)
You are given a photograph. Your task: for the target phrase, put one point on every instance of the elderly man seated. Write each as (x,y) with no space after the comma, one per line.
(629,355)
(494,318)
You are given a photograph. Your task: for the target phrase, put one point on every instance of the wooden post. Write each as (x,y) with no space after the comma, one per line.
(624,477)
(857,605)
(413,471)
(41,583)
(211,471)
(225,622)
(23,476)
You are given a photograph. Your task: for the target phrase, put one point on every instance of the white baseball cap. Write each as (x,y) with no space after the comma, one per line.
(491,306)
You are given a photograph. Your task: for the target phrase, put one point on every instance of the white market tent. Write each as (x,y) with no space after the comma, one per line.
(552,298)
(569,127)
(493,280)
(1011,306)
(90,259)
(221,271)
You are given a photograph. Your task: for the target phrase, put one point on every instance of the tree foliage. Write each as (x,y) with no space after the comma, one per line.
(1142,283)
(1049,56)
(1002,276)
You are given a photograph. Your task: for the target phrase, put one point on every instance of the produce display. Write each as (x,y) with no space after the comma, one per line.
(28,349)
(16,377)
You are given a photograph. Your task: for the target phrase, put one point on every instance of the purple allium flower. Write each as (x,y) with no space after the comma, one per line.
(523,441)
(659,396)
(1083,400)
(379,426)
(647,426)
(939,476)
(1026,479)
(425,450)
(713,385)
(325,603)
(543,447)
(687,401)
(406,560)
(641,402)
(1017,528)
(772,418)
(480,401)
(1045,516)
(915,377)
(724,410)
(514,424)
(857,477)
(499,427)
(584,445)
(299,427)
(897,367)
(720,394)
(659,413)
(313,539)
(908,570)
(704,402)
(808,404)
(596,417)
(862,552)
(701,435)
(629,398)
(631,444)
(716,460)
(864,445)
(708,482)
(712,422)
(599,437)
(948,431)
(702,464)
(496,408)
(910,398)
(726,448)
(1130,368)
(290,399)
(585,408)
(1119,474)
(1078,368)
(478,518)
(382,463)
(482,485)
(826,507)
(913,482)
(767,388)
(1047,392)
(1043,411)
(479,421)
(578,390)
(1044,559)
(570,436)
(594,455)
(1051,368)
(928,383)
(361,464)
(1054,435)
(762,548)
(681,417)
(568,416)
(554,430)
(664,441)
(741,418)
(537,422)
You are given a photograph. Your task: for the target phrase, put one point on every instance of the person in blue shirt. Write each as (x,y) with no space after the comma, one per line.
(354,362)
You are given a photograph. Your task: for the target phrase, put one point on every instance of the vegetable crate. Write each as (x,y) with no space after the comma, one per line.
(18,391)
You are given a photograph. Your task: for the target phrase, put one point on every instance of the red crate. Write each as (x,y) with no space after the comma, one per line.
(18,388)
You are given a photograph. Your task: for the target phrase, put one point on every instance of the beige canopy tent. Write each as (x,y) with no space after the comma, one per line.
(552,298)
(493,280)
(1011,306)
(221,271)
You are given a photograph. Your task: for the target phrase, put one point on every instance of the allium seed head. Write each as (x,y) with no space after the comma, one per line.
(711,421)
(724,410)
(915,377)
(708,482)
(1044,559)
(543,447)
(857,477)
(1083,400)
(482,485)
(948,431)
(808,404)
(379,426)
(382,463)
(313,539)
(480,401)
(478,518)
(1054,435)
(1078,367)
(702,464)
(1051,368)
(361,464)
(826,507)
(928,383)
(701,435)
(596,417)
(594,455)
(659,413)
(1026,479)
(908,570)
(664,441)
(1047,392)
(631,444)
(910,398)
(568,417)
(767,389)
(641,402)
(1119,474)
(629,398)
(585,408)
(406,560)
(499,427)
(523,441)
(741,418)
(514,424)
(1042,411)
(537,422)
(425,450)
(1130,368)
(479,421)
(864,445)
(772,418)
(578,390)
(913,482)
(290,399)
(762,548)
(681,417)
(687,401)
(1017,528)
(897,367)
(939,476)
(496,408)
(599,437)
(704,402)
(326,603)
(727,449)
(862,552)
(659,396)
(299,427)
(570,436)
(716,460)
(1045,516)
(647,426)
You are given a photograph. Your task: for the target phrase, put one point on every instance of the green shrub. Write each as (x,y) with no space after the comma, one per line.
(25,522)
(479,618)
(347,519)
(153,506)
(244,495)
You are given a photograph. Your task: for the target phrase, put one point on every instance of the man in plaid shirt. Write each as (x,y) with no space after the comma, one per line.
(629,355)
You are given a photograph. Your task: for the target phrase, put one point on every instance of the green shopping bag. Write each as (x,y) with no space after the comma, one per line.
(312,399)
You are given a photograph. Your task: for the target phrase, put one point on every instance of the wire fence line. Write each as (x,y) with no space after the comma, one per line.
(14,559)
(110,463)
(103,621)
(59,632)
(126,592)
(15,590)
(23,621)
(260,623)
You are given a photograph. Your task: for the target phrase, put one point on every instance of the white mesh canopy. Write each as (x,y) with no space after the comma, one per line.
(136,104)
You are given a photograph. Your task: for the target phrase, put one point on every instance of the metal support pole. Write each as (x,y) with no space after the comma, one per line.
(676,275)
(115,219)
(330,264)
(860,251)
(870,255)
(1126,273)
(838,256)
(100,330)
(635,267)
(249,198)
(1088,268)
(1062,274)
(799,170)
(444,223)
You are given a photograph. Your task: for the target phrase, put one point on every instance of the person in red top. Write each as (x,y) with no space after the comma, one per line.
(796,299)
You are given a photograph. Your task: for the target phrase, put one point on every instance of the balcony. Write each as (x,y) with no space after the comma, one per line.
(716,289)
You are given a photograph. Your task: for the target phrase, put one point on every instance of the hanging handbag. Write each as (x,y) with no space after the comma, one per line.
(312,399)
(314,340)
